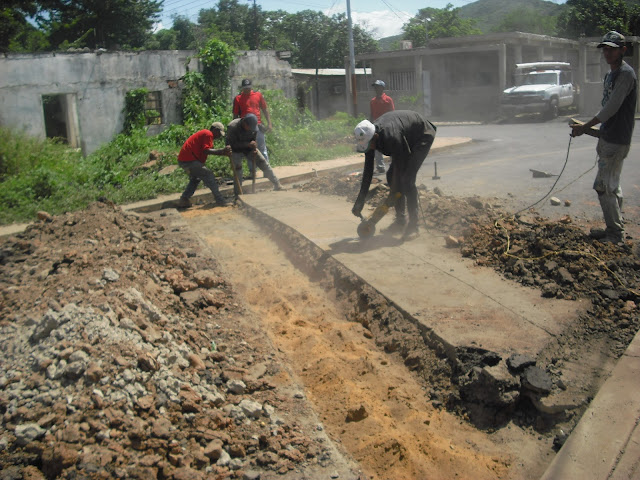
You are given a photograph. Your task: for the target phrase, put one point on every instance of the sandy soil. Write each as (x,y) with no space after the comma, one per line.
(368,400)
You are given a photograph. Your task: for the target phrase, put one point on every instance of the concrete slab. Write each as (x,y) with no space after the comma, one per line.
(465,306)
(606,442)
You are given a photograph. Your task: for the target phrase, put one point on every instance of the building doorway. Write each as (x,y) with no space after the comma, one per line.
(61,118)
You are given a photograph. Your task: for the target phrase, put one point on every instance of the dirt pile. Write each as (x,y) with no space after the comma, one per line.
(125,355)
(554,256)
(561,260)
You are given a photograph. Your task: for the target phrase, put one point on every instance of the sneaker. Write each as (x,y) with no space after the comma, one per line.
(183,203)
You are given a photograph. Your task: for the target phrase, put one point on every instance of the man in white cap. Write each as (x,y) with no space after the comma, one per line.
(379,105)
(192,158)
(614,136)
(406,137)
(241,137)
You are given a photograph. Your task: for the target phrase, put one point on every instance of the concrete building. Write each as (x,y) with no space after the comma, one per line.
(463,78)
(80,96)
(322,90)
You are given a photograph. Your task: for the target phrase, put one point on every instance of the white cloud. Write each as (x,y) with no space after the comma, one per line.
(381,23)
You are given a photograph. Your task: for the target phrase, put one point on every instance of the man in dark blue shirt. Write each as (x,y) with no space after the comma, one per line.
(614,136)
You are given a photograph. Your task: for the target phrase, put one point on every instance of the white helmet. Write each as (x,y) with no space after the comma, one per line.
(364,132)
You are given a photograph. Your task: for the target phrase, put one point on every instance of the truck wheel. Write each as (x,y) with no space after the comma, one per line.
(552,112)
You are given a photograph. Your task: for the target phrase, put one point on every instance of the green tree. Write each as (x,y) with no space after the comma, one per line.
(593,18)
(528,20)
(437,23)
(100,23)
(17,34)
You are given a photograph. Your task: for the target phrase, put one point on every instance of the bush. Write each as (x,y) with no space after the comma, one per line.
(47,175)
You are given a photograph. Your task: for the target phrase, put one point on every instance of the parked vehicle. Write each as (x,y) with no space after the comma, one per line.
(541,87)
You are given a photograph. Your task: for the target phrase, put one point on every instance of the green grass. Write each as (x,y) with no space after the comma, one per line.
(47,175)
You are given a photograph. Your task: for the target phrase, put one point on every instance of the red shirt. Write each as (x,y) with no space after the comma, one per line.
(194,147)
(253,102)
(381,105)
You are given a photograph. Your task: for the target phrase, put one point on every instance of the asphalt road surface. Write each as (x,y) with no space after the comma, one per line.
(497,163)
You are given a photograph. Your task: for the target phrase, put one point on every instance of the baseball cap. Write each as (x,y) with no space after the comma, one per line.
(251,121)
(379,83)
(246,83)
(217,126)
(612,39)
(364,132)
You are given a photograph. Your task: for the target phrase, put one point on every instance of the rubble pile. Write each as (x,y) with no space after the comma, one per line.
(561,260)
(125,355)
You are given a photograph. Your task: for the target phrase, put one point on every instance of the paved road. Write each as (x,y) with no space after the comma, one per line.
(498,160)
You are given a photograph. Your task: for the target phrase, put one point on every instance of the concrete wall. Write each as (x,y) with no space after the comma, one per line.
(266,71)
(96,84)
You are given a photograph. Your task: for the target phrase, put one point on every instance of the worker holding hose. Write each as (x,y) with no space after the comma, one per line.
(406,137)
(614,136)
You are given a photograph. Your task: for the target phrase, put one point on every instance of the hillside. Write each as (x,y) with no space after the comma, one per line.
(489,14)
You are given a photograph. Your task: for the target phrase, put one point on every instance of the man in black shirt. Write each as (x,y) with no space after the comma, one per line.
(406,137)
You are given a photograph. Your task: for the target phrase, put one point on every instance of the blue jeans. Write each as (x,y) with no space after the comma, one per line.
(198,172)
(262,145)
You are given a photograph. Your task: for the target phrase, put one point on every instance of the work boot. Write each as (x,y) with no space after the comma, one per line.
(222,202)
(598,233)
(611,238)
(183,203)
(397,226)
(411,231)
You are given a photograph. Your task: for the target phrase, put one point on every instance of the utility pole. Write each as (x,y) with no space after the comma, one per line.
(352,62)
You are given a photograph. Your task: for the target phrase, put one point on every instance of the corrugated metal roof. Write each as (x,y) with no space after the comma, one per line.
(328,72)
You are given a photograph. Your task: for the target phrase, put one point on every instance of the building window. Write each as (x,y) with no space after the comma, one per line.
(402,81)
(153,108)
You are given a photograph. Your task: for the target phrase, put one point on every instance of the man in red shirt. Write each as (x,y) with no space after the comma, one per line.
(379,105)
(192,158)
(250,101)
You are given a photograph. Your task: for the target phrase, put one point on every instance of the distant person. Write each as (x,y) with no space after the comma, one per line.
(406,137)
(250,101)
(241,138)
(379,105)
(614,136)
(192,158)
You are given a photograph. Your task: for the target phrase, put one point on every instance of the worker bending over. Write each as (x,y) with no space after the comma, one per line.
(406,137)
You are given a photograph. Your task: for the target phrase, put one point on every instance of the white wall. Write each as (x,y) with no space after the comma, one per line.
(99,82)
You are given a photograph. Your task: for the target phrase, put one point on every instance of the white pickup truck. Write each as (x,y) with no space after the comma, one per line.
(541,87)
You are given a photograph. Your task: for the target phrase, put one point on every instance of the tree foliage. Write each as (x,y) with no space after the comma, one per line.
(59,24)
(528,19)
(437,23)
(593,18)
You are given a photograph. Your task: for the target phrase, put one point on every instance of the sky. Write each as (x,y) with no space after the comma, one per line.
(381,18)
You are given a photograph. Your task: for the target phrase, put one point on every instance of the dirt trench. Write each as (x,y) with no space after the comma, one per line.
(368,372)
